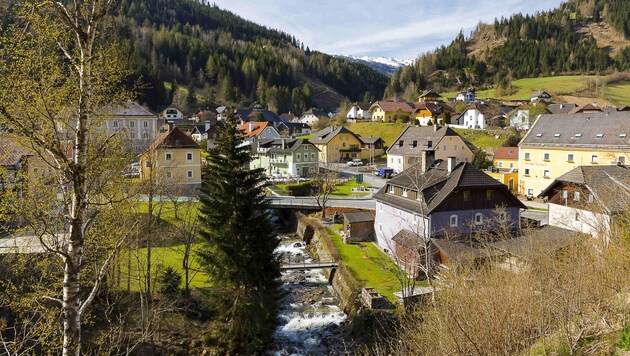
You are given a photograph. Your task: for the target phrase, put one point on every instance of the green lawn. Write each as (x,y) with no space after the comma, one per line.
(345,189)
(367,264)
(388,131)
(619,93)
(484,138)
(161,258)
(166,210)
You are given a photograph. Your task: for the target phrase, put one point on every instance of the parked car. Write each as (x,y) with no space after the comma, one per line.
(276,175)
(355,162)
(384,172)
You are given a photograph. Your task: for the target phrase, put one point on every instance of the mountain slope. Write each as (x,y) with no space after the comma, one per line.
(229,59)
(581,36)
(385,65)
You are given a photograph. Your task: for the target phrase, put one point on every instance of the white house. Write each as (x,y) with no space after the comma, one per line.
(541,95)
(312,116)
(171,114)
(466,96)
(481,115)
(140,125)
(359,112)
(587,199)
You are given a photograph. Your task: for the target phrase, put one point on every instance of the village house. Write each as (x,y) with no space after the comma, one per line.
(444,201)
(425,112)
(171,114)
(429,96)
(214,131)
(18,164)
(358,226)
(337,144)
(283,157)
(540,95)
(586,109)
(312,117)
(558,143)
(198,133)
(588,199)
(257,113)
(390,110)
(140,125)
(173,159)
(288,129)
(466,96)
(505,165)
(288,117)
(562,108)
(259,131)
(480,115)
(203,115)
(359,112)
(412,145)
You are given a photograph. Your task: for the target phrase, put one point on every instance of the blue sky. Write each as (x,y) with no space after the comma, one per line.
(394,28)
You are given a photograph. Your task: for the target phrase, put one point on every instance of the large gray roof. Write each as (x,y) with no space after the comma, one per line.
(128,109)
(609,184)
(563,108)
(327,134)
(276,145)
(580,130)
(422,135)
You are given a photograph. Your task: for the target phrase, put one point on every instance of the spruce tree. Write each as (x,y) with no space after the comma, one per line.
(239,242)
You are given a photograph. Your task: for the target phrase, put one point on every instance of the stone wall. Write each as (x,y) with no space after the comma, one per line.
(346,287)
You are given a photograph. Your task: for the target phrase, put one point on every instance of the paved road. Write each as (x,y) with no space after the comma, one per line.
(368,174)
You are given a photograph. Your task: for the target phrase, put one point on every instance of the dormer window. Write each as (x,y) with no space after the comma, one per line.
(466,195)
(391,189)
(401,143)
(405,192)
(623,135)
(538,135)
(414,143)
(556,135)
(578,135)
(599,136)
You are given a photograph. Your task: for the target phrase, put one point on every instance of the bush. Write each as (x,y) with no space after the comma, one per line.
(170,281)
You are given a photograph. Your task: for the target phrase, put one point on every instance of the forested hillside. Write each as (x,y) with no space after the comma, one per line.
(548,43)
(228,59)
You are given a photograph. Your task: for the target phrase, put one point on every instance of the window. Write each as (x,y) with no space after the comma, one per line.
(391,189)
(478,219)
(312,156)
(305,148)
(502,217)
(511,164)
(500,164)
(527,156)
(594,159)
(466,195)
(189,157)
(189,174)
(169,175)
(380,227)
(546,173)
(578,135)
(132,124)
(115,123)
(132,135)
(145,123)
(453,221)
(489,194)
(621,160)
(148,164)
(539,135)
(530,192)
(526,172)
(546,156)
(168,156)
(565,194)
(405,193)
(599,136)
(380,206)
(298,157)
(576,196)
(577,216)
(590,197)
(623,135)
(570,157)
(556,135)
(145,135)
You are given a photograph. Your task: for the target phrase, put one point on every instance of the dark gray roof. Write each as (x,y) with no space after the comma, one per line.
(422,135)
(128,109)
(248,115)
(315,112)
(457,251)
(408,239)
(561,108)
(436,185)
(548,239)
(363,106)
(369,140)
(276,145)
(580,130)
(358,216)
(327,134)
(610,185)
(540,93)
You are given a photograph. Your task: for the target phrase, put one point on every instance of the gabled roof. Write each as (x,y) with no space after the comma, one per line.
(198,129)
(129,109)
(282,145)
(434,108)
(506,153)
(540,93)
(488,110)
(286,117)
(363,106)
(610,185)
(429,94)
(437,184)
(315,112)
(422,135)
(390,105)
(250,115)
(174,138)
(587,107)
(11,153)
(253,128)
(589,130)
(369,140)
(563,108)
(327,134)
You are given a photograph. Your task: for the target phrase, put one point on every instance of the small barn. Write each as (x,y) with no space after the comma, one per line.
(358,226)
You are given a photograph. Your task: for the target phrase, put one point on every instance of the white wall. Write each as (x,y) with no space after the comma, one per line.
(390,220)
(474,118)
(588,222)
(396,163)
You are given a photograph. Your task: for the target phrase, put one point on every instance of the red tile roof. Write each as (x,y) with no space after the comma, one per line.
(388,105)
(506,153)
(251,129)
(174,138)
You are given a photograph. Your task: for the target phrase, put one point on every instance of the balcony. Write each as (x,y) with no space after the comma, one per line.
(351,149)
(278,161)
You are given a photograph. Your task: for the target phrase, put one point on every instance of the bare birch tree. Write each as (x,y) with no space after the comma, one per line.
(57,72)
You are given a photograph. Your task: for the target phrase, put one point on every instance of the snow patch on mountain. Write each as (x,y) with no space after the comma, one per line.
(387,65)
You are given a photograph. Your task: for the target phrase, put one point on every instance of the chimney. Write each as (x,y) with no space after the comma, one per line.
(171,126)
(436,127)
(452,162)
(428,158)
(283,144)
(251,126)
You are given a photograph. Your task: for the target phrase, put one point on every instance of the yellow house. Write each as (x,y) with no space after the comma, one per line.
(388,110)
(510,179)
(174,158)
(337,144)
(558,143)
(506,159)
